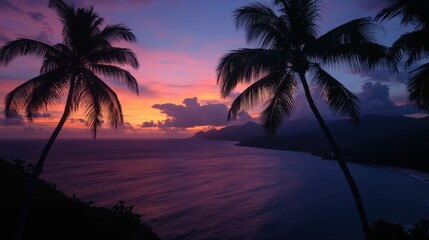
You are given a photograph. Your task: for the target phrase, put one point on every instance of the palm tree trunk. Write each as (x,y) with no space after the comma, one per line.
(38,168)
(352,185)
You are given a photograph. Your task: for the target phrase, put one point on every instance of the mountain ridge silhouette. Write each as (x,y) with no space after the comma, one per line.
(396,141)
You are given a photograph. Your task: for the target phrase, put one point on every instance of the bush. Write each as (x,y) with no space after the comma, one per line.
(383,230)
(54,215)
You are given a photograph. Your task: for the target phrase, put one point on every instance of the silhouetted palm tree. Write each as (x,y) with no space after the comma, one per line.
(414,45)
(291,52)
(72,68)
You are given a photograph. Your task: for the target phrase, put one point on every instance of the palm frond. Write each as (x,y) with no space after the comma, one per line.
(49,64)
(56,60)
(413,44)
(302,17)
(23,46)
(114,55)
(418,87)
(118,74)
(338,97)
(78,93)
(66,13)
(247,65)
(117,32)
(19,97)
(97,99)
(262,25)
(89,21)
(411,12)
(352,44)
(47,93)
(280,105)
(91,103)
(80,32)
(254,94)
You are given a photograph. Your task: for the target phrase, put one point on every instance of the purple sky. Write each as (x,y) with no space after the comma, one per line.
(179,45)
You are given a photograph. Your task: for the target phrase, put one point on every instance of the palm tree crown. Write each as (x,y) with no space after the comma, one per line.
(290,47)
(72,68)
(290,51)
(412,12)
(76,65)
(413,46)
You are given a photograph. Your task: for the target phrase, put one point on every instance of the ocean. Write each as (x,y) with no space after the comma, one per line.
(195,189)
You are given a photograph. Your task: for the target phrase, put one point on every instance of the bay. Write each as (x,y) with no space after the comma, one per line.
(190,189)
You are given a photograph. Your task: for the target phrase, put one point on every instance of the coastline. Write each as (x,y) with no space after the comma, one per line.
(420,175)
(412,172)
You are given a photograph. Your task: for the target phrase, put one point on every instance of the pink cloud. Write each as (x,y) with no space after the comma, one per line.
(191,114)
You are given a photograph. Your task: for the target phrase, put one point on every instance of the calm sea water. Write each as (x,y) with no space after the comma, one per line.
(188,189)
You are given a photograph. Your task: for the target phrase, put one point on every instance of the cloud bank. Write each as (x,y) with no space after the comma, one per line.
(375,99)
(193,114)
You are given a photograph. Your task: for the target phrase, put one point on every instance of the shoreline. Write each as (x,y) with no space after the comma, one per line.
(420,175)
(414,173)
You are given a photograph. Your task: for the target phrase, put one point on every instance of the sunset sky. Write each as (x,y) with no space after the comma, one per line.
(179,43)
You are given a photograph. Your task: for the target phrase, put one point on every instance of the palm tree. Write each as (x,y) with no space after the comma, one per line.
(73,69)
(414,45)
(291,52)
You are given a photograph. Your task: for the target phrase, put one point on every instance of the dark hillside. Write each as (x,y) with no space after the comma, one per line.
(56,216)
(388,140)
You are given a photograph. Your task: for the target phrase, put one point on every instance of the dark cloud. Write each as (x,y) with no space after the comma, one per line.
(244,117)
(383,76)
(127,126)
(375,99)
(43,36)
(148,124)
(17,121)
(374,91)
(192,114)
(37,16)
(386,76)
(303,111)
(81,120)
(4,38)
(77,120)
(42,115)
(6,5)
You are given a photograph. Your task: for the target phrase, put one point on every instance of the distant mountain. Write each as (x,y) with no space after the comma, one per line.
(232,133)
(376,129)
(252,130)
(388,140)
